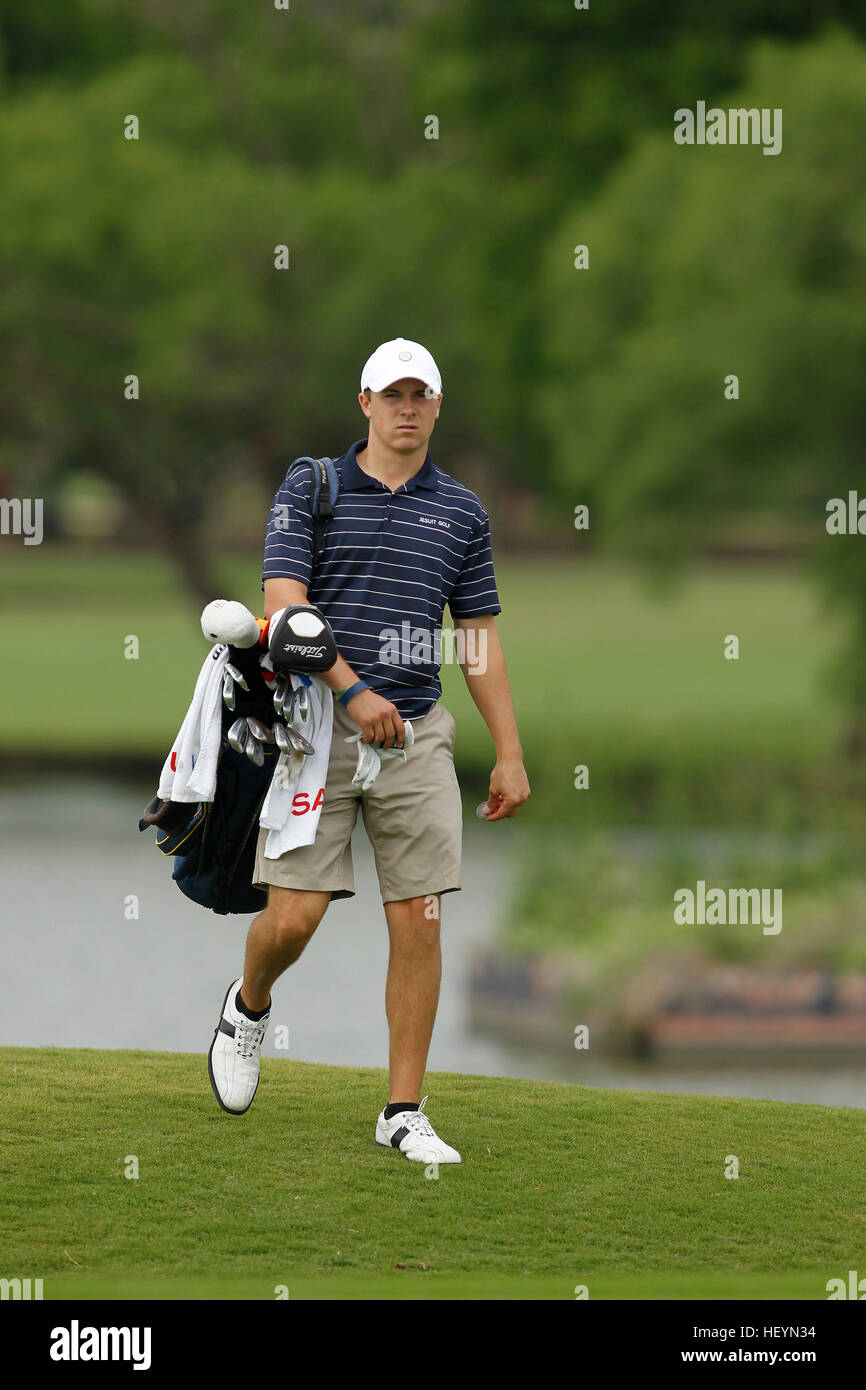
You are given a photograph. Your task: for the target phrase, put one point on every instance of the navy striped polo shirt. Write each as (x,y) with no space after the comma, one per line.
(389,563)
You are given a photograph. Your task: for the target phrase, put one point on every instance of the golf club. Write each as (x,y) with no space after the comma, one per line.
(282,738)
(236,675)
(254,751)
(299,743)
(237,735)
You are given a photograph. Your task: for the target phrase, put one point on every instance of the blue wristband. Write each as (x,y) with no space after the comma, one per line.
(353,690)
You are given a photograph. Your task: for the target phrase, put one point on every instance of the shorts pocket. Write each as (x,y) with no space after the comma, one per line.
(453,723)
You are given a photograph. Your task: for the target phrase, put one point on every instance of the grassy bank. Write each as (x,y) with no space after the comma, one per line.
(560,1186)
(602,905)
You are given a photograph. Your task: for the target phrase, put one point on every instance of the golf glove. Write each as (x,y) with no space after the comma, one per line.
(370,759)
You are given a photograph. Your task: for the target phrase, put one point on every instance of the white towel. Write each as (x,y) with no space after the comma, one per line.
(293,804)
(189,771)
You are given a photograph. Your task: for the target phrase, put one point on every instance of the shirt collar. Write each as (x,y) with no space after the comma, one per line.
(354,477)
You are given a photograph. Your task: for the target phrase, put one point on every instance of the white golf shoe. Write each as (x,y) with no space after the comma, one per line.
(412,1133)
(235,1055)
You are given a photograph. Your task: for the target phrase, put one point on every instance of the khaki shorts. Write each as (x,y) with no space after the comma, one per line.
(412,814)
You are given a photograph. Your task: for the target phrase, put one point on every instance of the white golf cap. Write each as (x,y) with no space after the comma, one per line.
(398,359)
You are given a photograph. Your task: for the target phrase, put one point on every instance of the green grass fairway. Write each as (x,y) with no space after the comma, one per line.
(560,1186)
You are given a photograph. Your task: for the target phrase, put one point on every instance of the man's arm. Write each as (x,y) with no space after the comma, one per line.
(378,718)
(483,667)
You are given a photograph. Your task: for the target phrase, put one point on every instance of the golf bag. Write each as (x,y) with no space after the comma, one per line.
(214,843)
(214,848)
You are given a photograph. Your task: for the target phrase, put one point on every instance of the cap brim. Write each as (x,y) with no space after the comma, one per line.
(379,384)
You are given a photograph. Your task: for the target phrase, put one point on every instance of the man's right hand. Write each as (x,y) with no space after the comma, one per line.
(378,718)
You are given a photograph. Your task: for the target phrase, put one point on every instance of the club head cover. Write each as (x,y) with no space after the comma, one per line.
(300,639)
(165,815)
(225,620)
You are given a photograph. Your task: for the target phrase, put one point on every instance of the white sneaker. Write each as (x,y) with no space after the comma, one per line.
(235,1055)
(412,1133)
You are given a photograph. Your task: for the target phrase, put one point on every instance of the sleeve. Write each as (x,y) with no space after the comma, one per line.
(475,590)
(289,534)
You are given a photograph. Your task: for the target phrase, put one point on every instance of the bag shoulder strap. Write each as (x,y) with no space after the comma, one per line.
(324,490)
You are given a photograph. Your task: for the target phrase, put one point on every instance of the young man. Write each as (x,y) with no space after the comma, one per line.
(405,540)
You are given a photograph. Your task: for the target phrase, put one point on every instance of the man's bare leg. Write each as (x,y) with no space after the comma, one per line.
(412,990)
(276,938)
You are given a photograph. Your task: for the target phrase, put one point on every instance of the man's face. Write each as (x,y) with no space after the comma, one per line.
(403,415)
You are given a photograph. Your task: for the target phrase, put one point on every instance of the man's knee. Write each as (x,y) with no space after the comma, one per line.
(414,922)
(293,913)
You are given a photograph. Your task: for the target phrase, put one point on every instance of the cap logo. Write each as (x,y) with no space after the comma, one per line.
(405,356)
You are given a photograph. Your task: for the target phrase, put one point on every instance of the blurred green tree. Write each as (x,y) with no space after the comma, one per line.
(541,102)
(262,127)
(711,261)
(155,258)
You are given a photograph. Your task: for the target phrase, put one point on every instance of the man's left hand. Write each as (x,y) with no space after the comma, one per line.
(509,788)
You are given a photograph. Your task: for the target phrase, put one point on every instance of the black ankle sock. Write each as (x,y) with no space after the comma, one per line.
(251,1014)
(396,1106)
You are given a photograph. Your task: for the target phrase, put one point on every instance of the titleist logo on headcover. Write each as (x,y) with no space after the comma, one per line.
(307,651)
